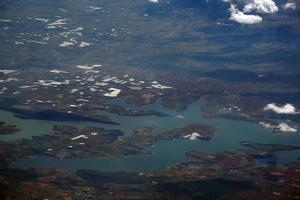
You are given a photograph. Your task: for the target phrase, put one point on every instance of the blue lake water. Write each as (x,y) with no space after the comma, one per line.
(228,136)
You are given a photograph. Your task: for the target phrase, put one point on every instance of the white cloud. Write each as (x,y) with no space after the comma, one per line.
(192,136)
(240,17)
(249,10)
(286,109)
(113,92)
(282,127)
(260,6)
(289,5)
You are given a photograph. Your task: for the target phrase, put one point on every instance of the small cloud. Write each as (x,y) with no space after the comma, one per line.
(192,136)
(286,109)
(289,5)
(250,10)
(260,6)
(283,127)
(240,17)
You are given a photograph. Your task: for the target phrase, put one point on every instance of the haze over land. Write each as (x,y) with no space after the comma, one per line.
(149,99)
